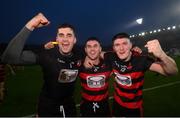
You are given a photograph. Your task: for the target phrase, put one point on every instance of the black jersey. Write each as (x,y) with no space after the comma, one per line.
(129,79)
(94,82)
(60,73)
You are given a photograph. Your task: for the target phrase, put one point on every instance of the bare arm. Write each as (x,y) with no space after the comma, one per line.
(166,65)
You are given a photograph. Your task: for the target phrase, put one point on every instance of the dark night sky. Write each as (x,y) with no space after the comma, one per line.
(101,18)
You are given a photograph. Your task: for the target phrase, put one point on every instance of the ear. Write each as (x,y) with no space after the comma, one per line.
(75,40)
(100,48)
(130,45)
(85,49)
(56,39)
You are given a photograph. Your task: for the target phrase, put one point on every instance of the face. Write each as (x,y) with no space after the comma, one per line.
(66,39)
(93,49)
(122,48)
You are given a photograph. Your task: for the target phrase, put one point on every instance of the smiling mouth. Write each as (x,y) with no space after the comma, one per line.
(65,44)
(92,52)
(121,52)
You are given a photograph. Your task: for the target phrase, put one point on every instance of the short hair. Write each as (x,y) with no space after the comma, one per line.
(93,39)
(120,35)
(66,25)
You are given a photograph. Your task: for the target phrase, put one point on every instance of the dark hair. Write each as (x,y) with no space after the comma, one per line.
(66,25)
(93,39)
(120,35)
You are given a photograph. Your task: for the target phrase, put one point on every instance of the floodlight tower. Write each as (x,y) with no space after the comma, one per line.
(139,21)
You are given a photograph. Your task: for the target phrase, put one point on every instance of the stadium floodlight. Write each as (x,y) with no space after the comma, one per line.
(150,32)
(159,30)
(169,28)
(139,21)
(154,31)
(173,27)
(143,33)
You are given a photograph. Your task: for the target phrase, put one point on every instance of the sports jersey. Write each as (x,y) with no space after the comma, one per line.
(129,79)
(59,74)
(94,83)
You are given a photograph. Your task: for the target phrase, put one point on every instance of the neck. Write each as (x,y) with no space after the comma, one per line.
(128,58)
(65,54)
(94,61)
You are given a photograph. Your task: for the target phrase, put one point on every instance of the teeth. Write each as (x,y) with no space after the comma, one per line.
(92,52)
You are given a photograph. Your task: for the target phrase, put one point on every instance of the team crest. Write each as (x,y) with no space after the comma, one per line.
(96,81)
(67,75)
(123,80)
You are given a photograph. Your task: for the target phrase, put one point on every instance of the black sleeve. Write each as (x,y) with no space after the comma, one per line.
(14,53)
(148,62)
(109,57)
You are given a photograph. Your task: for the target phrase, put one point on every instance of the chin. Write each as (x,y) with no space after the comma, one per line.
(66,52)
(122,57)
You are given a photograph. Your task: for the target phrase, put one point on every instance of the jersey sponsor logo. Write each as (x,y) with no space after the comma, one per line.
(123,80)
(96,81)
(123,68)
(60,61)
(67,75)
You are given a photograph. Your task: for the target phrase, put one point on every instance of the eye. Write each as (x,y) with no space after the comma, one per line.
(125,43)
(69,35)
(96,45)
(61,35)
(116,45)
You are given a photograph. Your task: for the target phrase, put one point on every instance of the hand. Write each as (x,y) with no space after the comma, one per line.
(49,45)
(88,63)
(38,21)
(154,47)
(136,49)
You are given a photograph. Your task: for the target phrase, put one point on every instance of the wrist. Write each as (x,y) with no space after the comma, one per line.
(162,56)
(30,27)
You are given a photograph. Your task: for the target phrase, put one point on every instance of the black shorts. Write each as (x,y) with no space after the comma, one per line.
(49,108)
(96,109)
(120,111)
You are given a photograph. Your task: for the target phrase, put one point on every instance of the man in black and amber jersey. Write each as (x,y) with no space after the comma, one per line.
(129,68)
(94,81)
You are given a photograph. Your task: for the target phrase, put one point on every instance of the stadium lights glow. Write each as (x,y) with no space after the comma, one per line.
(143,33)
(156,31)
(173,27)
(139,21)
(169,28)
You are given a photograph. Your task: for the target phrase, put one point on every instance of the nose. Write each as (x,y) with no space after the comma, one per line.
(64,39)
(121,47)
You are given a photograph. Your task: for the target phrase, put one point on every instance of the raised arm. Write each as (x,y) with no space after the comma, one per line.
(166,65)
(14,53)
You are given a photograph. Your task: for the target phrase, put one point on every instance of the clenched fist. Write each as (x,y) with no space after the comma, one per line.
(154,47)
(37,21)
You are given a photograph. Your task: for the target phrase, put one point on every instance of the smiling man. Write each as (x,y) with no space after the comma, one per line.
(94,82)
(129,69)
(59,66)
